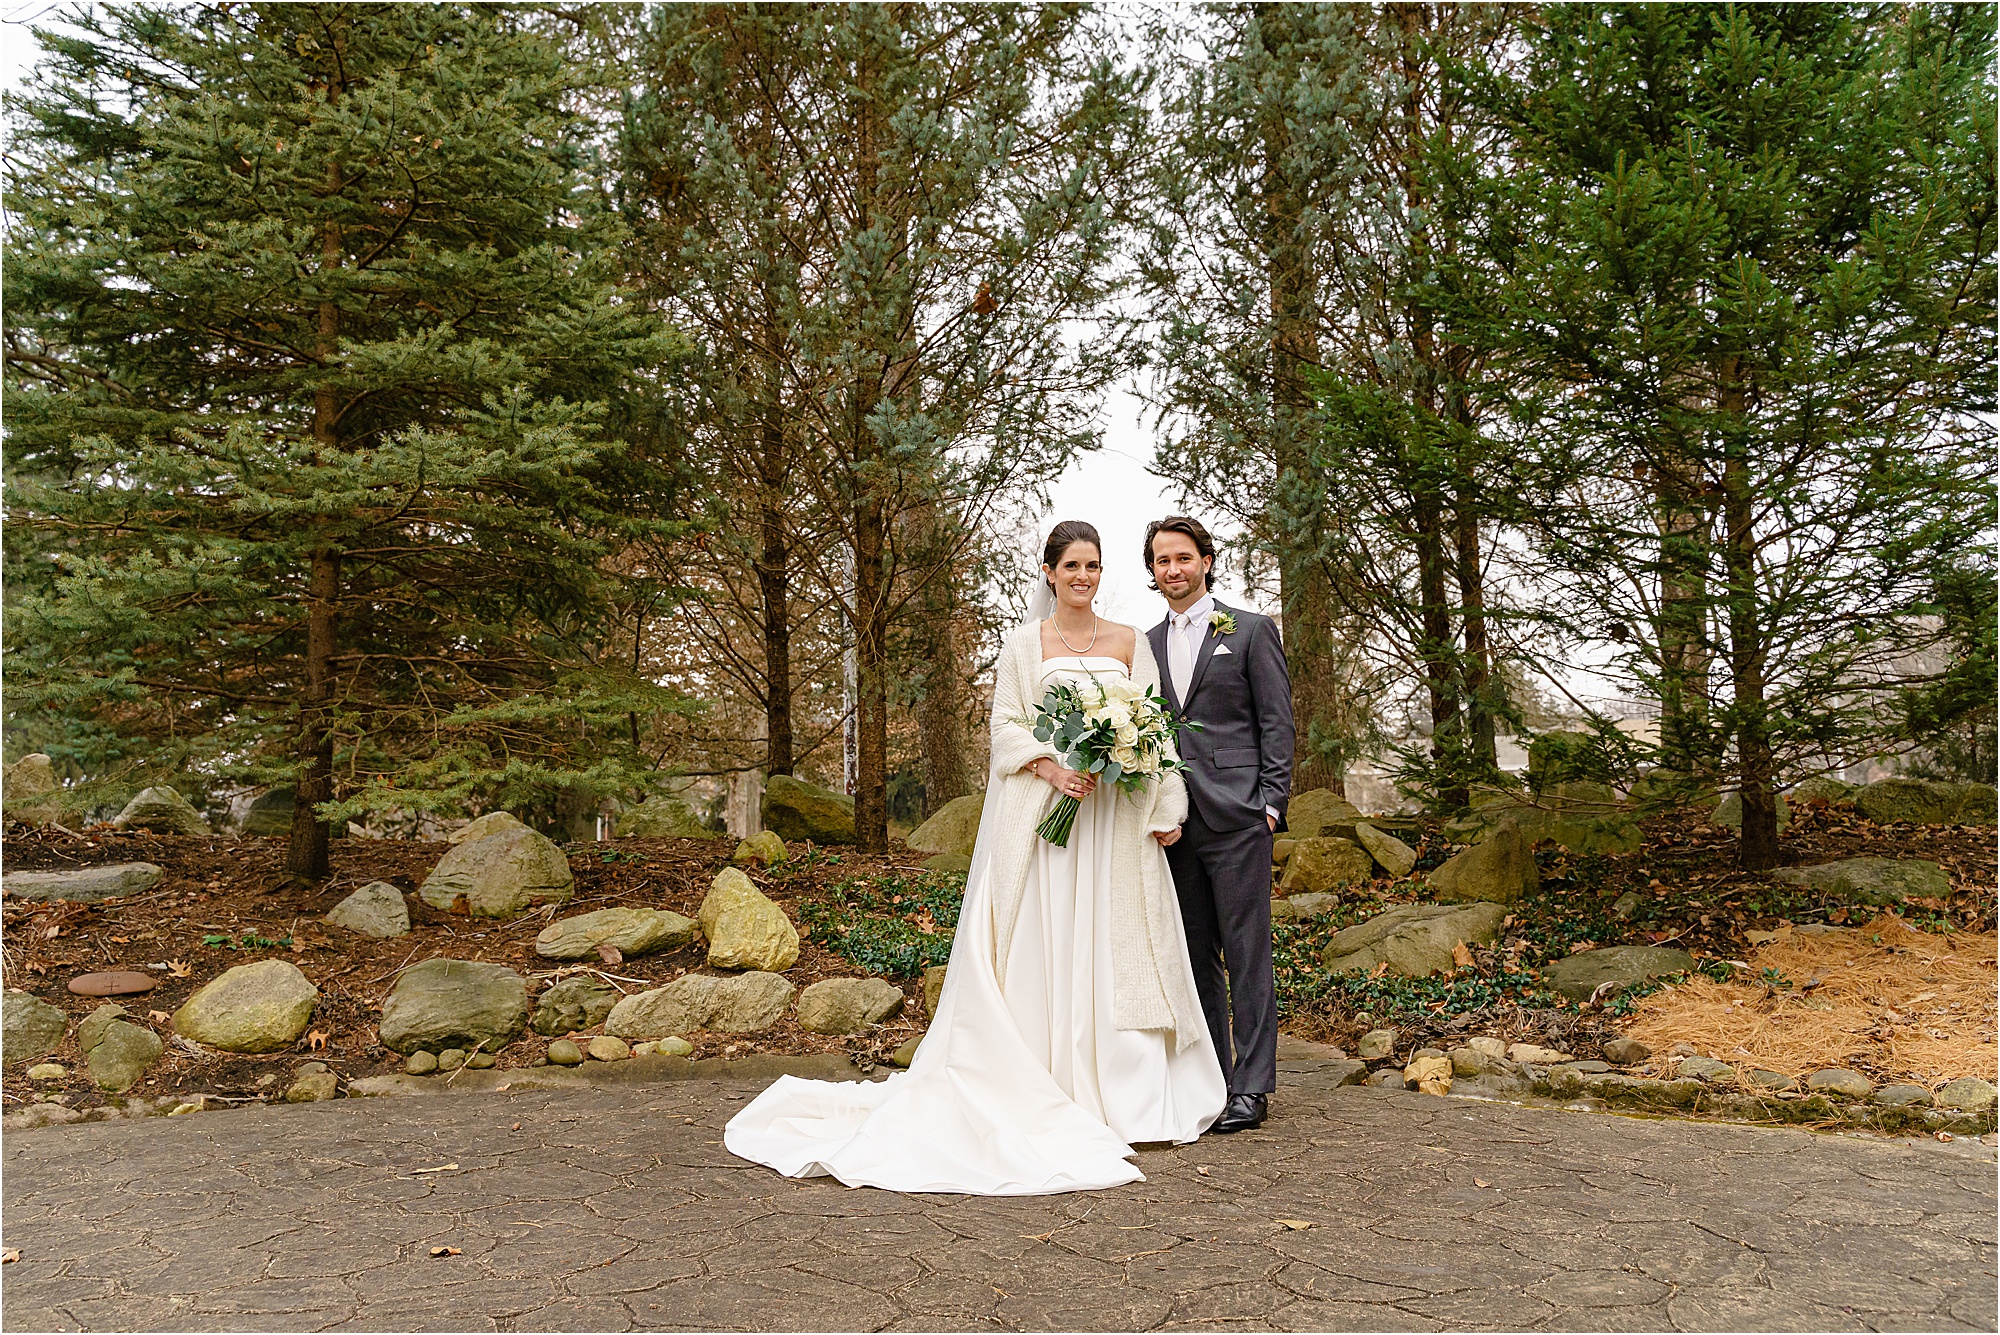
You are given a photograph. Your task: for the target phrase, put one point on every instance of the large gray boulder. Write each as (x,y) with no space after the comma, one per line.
(1578,976)
(1927,802)
(848,1005)
(83,885)
(1556,756)
(260,1007)
(577,1002)
(1414,940)
(1870,880)
(1674,789)
(745,928)
(1825,788)
(629,931)
(743,1004)
(661,818)
(952,828)
(1581,815)
(493,822)
(1390,853)
(502,874)
(1728,813)
(376,909)
(800,812)
(30,1028)
(116,1051)
(30,790)
(163,811)
(1499,869)
(1319,812)
(443,1004)
(1321,864)
(270,813)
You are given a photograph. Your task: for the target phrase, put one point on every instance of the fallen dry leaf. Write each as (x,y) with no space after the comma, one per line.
(1296,1224)
(316,1040)
(1481,1182)
(177,969)
(446,1251)
(159,1017)
(1461,955)
(10,1255)
(1202,1169)
(441,1168)
(610,954)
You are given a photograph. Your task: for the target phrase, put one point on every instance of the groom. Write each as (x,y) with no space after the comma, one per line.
(1225,669)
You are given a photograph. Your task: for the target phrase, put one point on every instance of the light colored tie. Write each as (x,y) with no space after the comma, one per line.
(1180,656)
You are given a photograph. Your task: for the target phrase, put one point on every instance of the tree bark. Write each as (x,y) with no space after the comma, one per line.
(1683,630)
(1307,600)
(1759,849)
(774,589)
(871,662)
(1479,680)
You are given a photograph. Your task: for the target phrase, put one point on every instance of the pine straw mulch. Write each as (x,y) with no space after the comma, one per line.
(1884,999)
(235,887)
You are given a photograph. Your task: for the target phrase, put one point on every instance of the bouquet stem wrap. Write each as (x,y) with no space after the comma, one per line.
(1055,827)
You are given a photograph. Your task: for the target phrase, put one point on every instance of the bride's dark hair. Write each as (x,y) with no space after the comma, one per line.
(1063,536)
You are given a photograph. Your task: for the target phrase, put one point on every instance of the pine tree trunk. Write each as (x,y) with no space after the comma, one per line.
(871,699)
(941,718)
(306,850)
(1437,653)
(1479,680)
(1759,850)
(774,588)
(1319,760)
(1681,634)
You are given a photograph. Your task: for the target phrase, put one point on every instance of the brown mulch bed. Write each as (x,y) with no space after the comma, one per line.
(233,888)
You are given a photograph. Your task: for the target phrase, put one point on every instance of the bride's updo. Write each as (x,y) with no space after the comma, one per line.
(1062,537)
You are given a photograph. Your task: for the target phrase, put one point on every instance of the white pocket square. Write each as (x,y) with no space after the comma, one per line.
(1221,649)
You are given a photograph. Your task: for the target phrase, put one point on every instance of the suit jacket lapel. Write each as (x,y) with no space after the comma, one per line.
(1209,640)
(1158,638)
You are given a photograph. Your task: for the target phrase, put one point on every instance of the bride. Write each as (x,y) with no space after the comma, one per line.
(1068,1029)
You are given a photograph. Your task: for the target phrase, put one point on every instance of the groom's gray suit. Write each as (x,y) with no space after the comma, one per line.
(1239,764)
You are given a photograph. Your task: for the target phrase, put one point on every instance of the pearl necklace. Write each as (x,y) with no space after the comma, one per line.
(1065,639)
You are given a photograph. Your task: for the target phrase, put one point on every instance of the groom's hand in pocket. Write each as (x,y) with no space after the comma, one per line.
(1168,838)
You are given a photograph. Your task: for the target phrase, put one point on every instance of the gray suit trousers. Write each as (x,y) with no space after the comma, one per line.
(1223,879)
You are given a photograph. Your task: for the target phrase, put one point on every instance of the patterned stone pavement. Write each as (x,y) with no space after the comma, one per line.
(617,1208)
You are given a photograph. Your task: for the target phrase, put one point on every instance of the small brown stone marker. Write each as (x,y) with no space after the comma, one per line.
(118,983)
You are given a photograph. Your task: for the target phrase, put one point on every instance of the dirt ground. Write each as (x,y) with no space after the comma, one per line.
(218,891)
(226,901)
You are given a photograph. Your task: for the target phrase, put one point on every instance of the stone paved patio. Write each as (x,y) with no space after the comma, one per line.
(617,1208)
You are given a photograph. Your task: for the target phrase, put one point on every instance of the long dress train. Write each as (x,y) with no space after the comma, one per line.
(1023,1092)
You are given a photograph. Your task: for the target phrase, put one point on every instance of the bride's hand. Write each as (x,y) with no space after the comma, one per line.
(1068,782)
(1168,838)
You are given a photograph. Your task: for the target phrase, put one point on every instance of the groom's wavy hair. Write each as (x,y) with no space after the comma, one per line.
(1191,528)
(1066,535)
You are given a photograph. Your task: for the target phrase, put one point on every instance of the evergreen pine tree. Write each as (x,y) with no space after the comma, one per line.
(1757,276)
(309,336)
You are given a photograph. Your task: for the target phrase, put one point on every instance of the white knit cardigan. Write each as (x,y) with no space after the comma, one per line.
(1152,986)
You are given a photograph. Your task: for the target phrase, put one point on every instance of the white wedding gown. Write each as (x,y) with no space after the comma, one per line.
(1024,1093)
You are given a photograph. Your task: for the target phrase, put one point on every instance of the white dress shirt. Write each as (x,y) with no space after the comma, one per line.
(1185,633)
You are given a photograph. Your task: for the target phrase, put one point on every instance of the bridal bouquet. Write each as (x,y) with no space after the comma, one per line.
(1114,729)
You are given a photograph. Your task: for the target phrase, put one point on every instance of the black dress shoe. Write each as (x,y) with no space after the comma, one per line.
(1242,1113)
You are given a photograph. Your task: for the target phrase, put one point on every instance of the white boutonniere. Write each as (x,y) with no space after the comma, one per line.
(1222,623)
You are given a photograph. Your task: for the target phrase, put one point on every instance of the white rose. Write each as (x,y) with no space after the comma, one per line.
(1127,734)
(1126,757)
